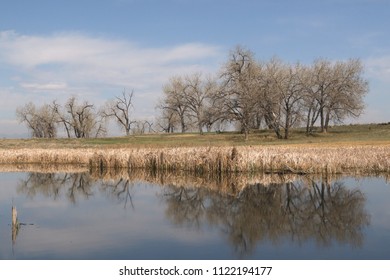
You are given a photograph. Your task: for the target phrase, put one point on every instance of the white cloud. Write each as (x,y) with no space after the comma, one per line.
(79,58)
(65,64)
(379,67)
(43,87)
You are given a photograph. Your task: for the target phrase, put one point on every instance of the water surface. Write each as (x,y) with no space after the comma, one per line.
(160,216)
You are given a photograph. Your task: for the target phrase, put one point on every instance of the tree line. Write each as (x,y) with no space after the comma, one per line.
(272,94)
(246,92)
(81,119)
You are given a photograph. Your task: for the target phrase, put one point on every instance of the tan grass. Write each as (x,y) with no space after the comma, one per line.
(215,160)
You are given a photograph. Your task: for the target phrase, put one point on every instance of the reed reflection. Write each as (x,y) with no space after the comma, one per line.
(248,210)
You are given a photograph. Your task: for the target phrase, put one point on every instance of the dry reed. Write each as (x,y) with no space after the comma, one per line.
(216,160)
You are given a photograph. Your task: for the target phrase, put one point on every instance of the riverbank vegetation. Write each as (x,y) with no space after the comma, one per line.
(347,149)
(337,135)
(204,160)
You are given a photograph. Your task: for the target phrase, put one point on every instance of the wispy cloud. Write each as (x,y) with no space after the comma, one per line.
(74,63)
(77,58)
(44,87)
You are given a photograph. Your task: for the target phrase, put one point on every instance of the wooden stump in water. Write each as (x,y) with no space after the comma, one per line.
(15,224)
(14,216)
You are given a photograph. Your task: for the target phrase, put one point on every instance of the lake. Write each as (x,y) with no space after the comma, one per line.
(145,215)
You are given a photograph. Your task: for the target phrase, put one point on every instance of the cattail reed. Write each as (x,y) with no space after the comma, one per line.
(216,160)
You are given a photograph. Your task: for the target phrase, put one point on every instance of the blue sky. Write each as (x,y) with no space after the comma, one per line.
(94,48)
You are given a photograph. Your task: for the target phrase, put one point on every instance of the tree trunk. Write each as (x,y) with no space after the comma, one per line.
(326,125)
(287,125)
(246,133)
(200,128)
(183,125)
(286,132)
(322,120)
(308,130)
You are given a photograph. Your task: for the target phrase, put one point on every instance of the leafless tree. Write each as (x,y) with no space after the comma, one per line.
(174,100)
(213,112)
(197,92)
(324,91)
(250,92)
(289,91)
(167,121)
(268,98)
(348,91)
(335,91)
(319,91)
(142,127)
(311,106)
(41,121)
(80,120)
(191,100)
(240,87)
(120,110)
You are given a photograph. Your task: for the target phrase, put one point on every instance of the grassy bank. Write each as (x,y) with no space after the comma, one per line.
(346,149)
(348,134)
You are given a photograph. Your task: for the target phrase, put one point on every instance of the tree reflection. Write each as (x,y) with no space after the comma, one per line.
(186,205)
(248,211)
(120,190)
(73,185)
(300,211)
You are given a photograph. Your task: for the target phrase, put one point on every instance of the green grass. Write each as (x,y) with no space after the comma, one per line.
(346,134)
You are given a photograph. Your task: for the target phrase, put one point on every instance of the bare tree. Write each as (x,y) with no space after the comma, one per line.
(120,110)
(240,87)
(290,92)
(250,92)
(348,91)
(174,100)
(320,89)
(310,96)
(41,121)
(334,91)
(197,92)
(213,111)
(194,97)
(189,99)
(142,127)
(269,97)
(80,120)
(168,120)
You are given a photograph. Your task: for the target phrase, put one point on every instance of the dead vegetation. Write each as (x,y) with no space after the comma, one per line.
(299,159)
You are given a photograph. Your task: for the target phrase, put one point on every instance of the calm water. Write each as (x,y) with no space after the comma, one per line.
(79,216)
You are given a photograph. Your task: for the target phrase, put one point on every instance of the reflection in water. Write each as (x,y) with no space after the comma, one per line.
(15,225)
(76,185)
(298,211)
(120,190)
(248,210)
